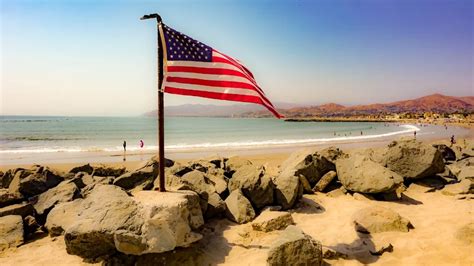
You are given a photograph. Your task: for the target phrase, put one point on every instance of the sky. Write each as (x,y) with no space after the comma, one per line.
(97,58)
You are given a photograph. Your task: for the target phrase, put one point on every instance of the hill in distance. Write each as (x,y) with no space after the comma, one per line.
(437,103)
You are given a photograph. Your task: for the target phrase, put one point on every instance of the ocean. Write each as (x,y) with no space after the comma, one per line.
(26,135)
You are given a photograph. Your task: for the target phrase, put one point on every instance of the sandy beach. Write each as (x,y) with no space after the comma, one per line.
(436,219)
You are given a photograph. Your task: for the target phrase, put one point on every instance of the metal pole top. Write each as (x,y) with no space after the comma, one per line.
(150,16)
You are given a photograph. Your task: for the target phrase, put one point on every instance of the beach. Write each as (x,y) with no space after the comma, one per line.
(435,216)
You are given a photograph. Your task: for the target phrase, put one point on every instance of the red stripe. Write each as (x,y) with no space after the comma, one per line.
(235,62)
(222,96)
(217,83)
(206,70)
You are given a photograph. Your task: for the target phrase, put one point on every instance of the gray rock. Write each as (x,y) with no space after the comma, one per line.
(305,184)
(63,216)
(293,247)
(307,163)
(324,181)
(269,221)
(34,181)
(215,206)
(64,192)
(168,222)
(87,168)
(141,178)
(220,183)
(413,159)
(239,209)
(447,153)
(7,197)
(234,163)
(466,186)
(11,230)
(379,219)
(23,209)
(104,170)
(332,154)
(360,174)
(288,190)
(254,184)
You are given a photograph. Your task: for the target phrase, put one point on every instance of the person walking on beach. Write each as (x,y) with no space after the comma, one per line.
(124,150)
(453,141)
(141,144)
(414,134)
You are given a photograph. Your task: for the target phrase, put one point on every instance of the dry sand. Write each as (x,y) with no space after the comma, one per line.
(435,216)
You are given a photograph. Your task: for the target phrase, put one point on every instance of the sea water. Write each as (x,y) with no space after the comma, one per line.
(35,134)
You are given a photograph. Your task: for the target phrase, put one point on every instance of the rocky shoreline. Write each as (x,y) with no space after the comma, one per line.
(116,216)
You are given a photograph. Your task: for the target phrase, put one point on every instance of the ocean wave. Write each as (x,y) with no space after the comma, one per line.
(30,138)
(222,145)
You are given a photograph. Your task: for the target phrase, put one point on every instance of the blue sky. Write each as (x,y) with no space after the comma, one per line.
(98,58)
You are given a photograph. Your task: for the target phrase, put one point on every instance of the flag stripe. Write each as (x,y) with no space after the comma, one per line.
(212,89)
(222,96)
(216,83)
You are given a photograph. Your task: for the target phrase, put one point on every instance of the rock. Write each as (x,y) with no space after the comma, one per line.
(293,247)
(6,178)
(239,209)
(155,161)
(337,192)
(254,184)
(168,222)
(198,182)
(11,230)
(379,219)
(234,163)
(324,181)
(64,192)
(269,221)
(179,257)
(414,160)
(8,198)
(332,254)
(178,170)
(466,233)
(220,183)
(379,248)
(30,225)
(466,173)
(305,184)
(466,186)
(63,216)
(215,206)
(108,220)
(447,153)
(142,178)
(34,181)
(360,174)
(362,197)
(103,170)
(87,168)
(287,190)
(23,209)
(307,163)
(332,154)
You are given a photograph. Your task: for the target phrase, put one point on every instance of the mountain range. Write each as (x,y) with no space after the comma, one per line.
(437,103)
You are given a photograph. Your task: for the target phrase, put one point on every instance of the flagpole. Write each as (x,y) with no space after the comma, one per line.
(161,124)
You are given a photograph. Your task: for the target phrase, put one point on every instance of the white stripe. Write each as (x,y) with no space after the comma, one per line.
(210,77)
(204,65)
(186,86)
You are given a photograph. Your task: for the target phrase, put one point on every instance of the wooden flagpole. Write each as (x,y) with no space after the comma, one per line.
(161,124)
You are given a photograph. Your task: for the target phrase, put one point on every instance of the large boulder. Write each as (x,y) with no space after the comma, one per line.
(359,173)
(220,183)
(234,163)
(7,197)
(288,190)
(34,181)
(168,222)
(104,170)
(447,153)
(11,231)
(466,186)
(379,219)
(324,181)
(64,192)
(215,206)
(269,221)
(309,164)
(108,219)
(141,178)
(87,168)
(413,159)
(293,247)
(6,178)
(23,209)
(239,209)
(254,184)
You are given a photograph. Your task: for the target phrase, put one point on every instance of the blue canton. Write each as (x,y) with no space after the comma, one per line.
(180,47)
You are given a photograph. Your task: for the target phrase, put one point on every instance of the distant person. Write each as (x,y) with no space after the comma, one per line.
(453,141)
(142,144)
(124,146)
(414,134)
(361,133)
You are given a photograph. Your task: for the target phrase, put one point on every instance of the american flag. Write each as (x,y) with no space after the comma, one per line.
(195,69)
